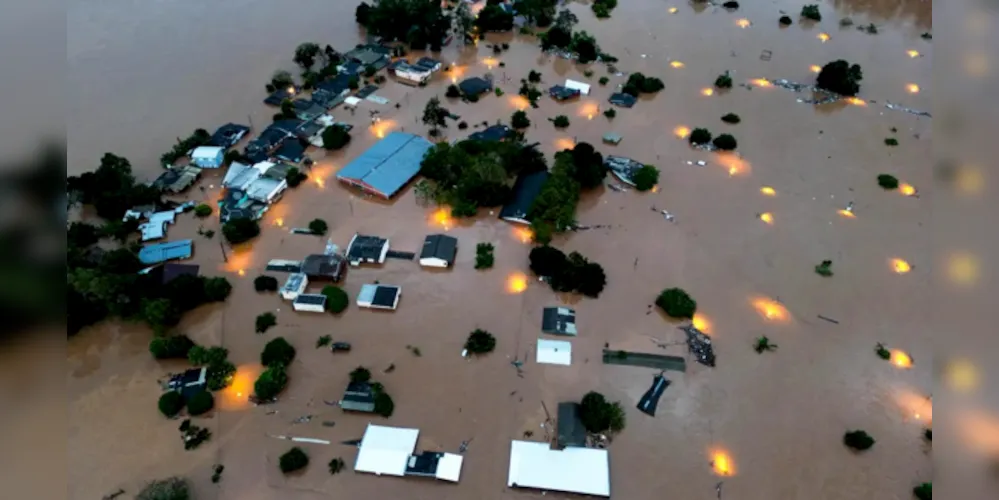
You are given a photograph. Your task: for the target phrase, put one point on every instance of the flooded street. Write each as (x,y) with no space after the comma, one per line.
(144,73)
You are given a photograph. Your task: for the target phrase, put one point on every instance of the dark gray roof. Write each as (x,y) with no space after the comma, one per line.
(387,166)
(188,383)
(366,91)
(292,151)
(314,299)
(426,62)
(560,92)
(359,396)
(475,86)
(623,100)
(570,427)
(441,246)
(650,399)
(172,271)
(385,296)
(323,266)
(424,464)
(366,248)
(279,96)
(228,135)
(492,133)
(525,190)
(559,320)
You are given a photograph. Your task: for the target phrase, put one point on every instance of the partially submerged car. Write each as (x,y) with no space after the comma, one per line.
(339,346)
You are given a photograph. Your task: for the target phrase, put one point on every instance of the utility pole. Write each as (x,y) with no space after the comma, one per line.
(222,248)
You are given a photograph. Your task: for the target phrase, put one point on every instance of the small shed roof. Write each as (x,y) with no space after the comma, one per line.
(292,151)
(312,299)
(492,133)
(583,88)
(207,152)
(559,320)
(573,470)
(389,164)
(440,246)
(554,352)
(475,86)
(323,266)
(570,426)
(386,450)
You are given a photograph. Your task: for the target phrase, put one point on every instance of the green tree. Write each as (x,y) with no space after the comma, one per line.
(294,177)
(203,210)
(699,136)
(560,121)
(217,289)
(646,177)
(360,375)
(265,321)
(556,202)
(336,299)
(170,347)
(676,303)
(159,314)
(725,142)
(362,14)
(452,91)
(520,120)
(586,165)
(585,47)
(840,77)
(824,268)
(858,440)
(240,230)
(599,415)
(811,12)
(480,342)
(463,23)
(170,404)
(270,383)
(172,488)
(484,256)
(557,38)
(384,405)
(923,491)
(434,116)
(494,18)
(318,226)
(200,403)
(887,182)
(731,118)
(277,352)
(335,137)
(265,283)
(293,460)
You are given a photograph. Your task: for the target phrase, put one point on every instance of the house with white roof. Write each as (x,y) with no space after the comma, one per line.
(390,451)
(573,470)
(208,156)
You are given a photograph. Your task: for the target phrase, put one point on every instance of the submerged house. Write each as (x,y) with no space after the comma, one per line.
(331,93)
(623,168)
(379,296)
(189,383)
(390,451)
(573,470)
(525,190)
(359,397)
(254,183)
(319,267)
(376,56)
(208,156)
(311,302)
(439,250)
(475,86)
(177,179)
(559,321)
(554,352)
(367,249)
(307,109)
(583,88)
(493,133)
(294,286)
(650,400)
(280,95)
(410,74)
(387,166)
(563,93)
(433,65)
(571,431)
(162,252)
(291,151)
(260,148)
(623,100)
(228,135)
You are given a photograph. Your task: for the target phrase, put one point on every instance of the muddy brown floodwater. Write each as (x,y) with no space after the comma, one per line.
(143,73)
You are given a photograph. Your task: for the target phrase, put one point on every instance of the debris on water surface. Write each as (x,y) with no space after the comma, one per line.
(699,345)
(699,163)
(302,420)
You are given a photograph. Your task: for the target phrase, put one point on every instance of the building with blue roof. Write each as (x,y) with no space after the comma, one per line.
(385,168)
(162,252)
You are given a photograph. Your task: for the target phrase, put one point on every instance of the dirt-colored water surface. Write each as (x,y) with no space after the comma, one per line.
(143,73)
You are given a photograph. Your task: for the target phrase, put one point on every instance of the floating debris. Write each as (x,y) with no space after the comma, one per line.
(352,442)
(825,318)
(618,188)
(331,403)
(699,345)
(304,419)
(668,216)
(766,55)
(899,107)
(329,423)
(699,163)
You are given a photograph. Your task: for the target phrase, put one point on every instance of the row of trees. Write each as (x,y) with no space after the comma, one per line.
(554,210)
(473,174)
(572,273)
(561,37)
(418,23)
(276,357)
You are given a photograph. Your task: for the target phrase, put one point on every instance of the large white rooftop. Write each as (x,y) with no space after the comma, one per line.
(386,450)
(574,470)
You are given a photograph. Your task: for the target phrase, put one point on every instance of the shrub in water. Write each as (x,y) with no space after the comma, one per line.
(174,488)
(520,120)
(318,227)
(534,76)
(265,284)
(723,81)
(203,210)
(610,113)
(171,402)
(840,77)
(200,403)
(603,80)
(858,440)
(265,321)
(174,346)
(462,125)
(484,256)
(676,303)
(452,91)
(811,12)
(646,177)
(823,269)
(270,383)
(699,136)
(480,342)
(725,142)
(731,118)
(561,121)
(887,182)
(891,141)
(599,415)
(336,299)
(923,491)
(731,4)
(293,460)
(785,20)
(277,352)
(360,374)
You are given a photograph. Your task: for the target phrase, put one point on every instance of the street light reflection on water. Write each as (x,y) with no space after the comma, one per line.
(770,309)
(237,395)
(523,234)
(702,323)
(442,218)
(721,463)
(900,358)
(681,132)
(516,283)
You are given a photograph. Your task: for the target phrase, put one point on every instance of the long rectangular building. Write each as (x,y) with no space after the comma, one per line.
(573,470)
(385,168)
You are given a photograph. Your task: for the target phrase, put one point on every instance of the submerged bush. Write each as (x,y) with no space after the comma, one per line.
(811,12)
(203,210)
(923,492)
(725,142)
(484,256)
(265,321)
(891,141)
(724,81)
(277,352)
(699,136)
(200,403)
(731,118)
(174,346)
(480,342)
(452,91)
(293,460)
(270,383)
(676,303)
(336,299)
(823,269)
(520,119)
(785,20)
(172,488)
(840,77)
(265,283)
(599,415)
(858,440)
(887,181)
(170,404)
(360,375)
(610,113)
(731,4)
(646,177)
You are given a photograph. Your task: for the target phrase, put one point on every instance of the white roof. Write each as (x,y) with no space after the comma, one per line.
(575,470)
(554,352)
(583,88)
(352,101)
(386,450)
(263,188)
(206,152)
(152,230)
(449,467)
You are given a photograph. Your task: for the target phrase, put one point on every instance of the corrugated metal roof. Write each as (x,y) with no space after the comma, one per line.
(388,165)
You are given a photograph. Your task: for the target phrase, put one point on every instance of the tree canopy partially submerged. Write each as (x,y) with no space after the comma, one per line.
(840,77)
(677,303)
(418,23)
(599,415)
(171,488)
(572,273)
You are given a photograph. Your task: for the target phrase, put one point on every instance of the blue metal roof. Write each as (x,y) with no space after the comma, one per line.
(161,252)
(388,165)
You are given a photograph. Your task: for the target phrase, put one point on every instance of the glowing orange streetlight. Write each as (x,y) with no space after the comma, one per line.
(707,91)
(442,218)
(701,322)
(961,375)
(771,310)
(677,64)
(721,463)
(768,191)
(824,37)
(743,23)
(761,82)
(681,132)
(900,266)
(279,222)
(847,213)
(912,88)
(672,10)
(900,358)
(525,235)
(815,68)
(516,283)
(767,217)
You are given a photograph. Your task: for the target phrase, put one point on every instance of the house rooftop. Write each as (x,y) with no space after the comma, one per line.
(359,396)
(228,135)
(570,426)
(572,470)
(440,246)
(559,320)
(492,133)
(386,450)
(475,86)
(162,252)
(525,190)
(367,249)
(623,100)
(324,266)
(314,299)
(388,165)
